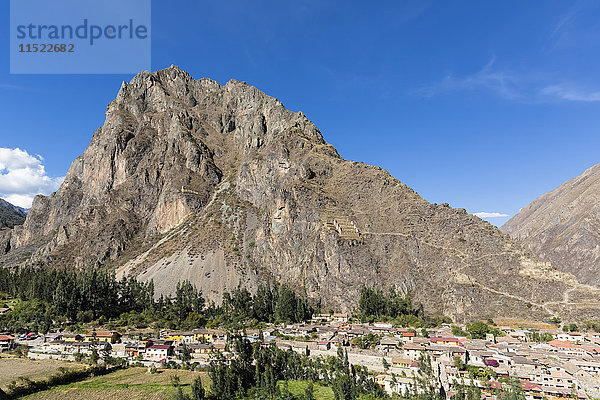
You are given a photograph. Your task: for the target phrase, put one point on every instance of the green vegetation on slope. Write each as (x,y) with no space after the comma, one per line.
(132,383)
(377,305)
(59,297)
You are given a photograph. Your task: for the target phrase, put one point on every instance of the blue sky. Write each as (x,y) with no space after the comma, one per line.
(484,105)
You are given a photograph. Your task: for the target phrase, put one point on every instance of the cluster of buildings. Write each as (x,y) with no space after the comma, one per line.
(199,344)
(568,366)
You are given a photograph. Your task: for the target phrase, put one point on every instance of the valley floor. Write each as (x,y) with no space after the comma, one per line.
(12,368)
(133,383)
(128,384)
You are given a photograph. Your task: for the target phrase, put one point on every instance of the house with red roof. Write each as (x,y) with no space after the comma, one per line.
(567,347)
(407,337)
(324,345)
(6,342)
(533,391)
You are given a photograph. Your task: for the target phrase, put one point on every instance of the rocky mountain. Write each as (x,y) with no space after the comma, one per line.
(10,215)
(563,226)
(220,184)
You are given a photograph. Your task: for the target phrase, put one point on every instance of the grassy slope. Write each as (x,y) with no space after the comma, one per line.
(138,384)
(129,384)
(297,388)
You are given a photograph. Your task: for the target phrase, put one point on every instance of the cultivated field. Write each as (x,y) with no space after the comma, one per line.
(523,324)
(12,368)
(127,384)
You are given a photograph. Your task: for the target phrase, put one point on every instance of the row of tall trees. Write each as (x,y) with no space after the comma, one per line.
(53,296)
(95,292)
(376,303)
(270,303)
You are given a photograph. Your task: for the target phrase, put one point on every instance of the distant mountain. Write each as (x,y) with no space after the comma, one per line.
(11,215)
(563,226)
(221,184)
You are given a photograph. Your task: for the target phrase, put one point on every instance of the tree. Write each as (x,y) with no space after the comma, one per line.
(232,379)
(472,393)
(78,356)
(344,387)
(425,386)
(197,390)
(386,364)
(94,357)
(106,353)
(457,331)
(184,353)
(265,374)
(264,303)
(285,309)
(458,363)
(187,300)
(368,341)
(344,384)
(371,303)
(478,329)
(375,304)
(179,394)
(514,391)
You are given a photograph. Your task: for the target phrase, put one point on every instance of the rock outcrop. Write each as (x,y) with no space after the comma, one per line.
(220,184)
(563,226)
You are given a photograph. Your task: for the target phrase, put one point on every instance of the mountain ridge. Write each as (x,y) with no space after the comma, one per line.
(220,184)
(10,215)
(563,226)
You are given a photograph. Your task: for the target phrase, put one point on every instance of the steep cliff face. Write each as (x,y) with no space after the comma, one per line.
(127,184)
(188,179)
(563,226)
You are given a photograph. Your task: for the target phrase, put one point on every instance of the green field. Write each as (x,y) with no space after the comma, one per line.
(137,384)
(320,392)
(128,384)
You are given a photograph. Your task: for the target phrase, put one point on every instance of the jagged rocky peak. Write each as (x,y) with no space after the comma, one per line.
(237,106)
(152,147)
(221,184)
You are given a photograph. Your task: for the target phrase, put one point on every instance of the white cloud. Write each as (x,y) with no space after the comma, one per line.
(22,176)
(565,92)
(526,89)
(484,214)
(564,22)
(501,83)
